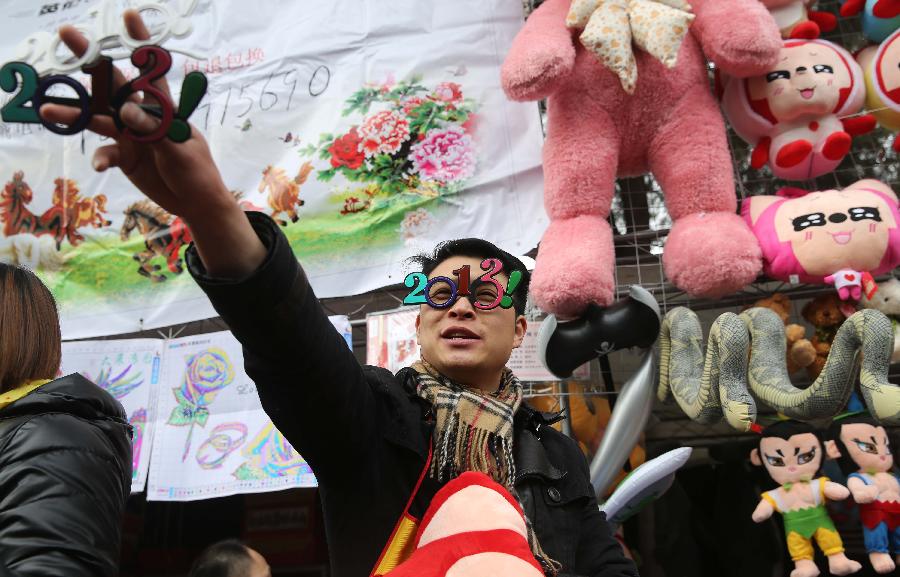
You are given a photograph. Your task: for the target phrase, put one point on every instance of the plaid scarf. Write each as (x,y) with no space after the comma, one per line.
(474,432)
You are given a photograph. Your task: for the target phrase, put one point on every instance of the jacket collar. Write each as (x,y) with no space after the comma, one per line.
(72,394)
(528,451)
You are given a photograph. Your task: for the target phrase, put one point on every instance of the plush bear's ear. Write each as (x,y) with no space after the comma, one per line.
(831,449)
(754,458)
(756,205)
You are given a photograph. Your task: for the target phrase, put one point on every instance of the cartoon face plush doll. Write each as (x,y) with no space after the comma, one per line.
(797,19)
(831,237)
(863,451)
(792,114)
(791,452)
(881,65)
(880,18)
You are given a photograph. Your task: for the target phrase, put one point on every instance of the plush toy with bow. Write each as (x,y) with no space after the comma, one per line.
(834,237)
(628,92)
(797,19)
(881,65)
(863,451)
(472,527)
(880,18)
(796,114)
(792,454)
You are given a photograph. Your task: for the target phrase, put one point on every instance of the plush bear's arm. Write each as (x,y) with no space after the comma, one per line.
(760,155)
(542,54)
(852,7)
(739,36)
(856,125)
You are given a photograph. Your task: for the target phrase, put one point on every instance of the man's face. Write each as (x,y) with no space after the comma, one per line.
(464,343)
(868,446)
(258,567)
(792,460)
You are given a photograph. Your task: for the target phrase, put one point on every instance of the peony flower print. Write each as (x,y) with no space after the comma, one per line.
(445,155)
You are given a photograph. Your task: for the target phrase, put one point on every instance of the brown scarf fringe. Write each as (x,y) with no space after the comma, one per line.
(484,445)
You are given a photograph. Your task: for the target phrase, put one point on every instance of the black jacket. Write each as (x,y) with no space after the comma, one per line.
(65,474)
(364,432)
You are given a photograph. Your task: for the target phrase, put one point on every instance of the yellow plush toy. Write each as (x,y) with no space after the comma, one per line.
(881,64)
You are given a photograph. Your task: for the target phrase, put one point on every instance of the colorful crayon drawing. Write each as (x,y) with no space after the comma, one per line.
(207,373)
(119,385)
(223,440)
(138,420)
(269,455)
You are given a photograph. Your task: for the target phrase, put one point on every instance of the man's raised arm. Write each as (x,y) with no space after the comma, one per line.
(310,384)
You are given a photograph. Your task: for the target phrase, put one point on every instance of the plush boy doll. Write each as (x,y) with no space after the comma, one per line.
(791,452)
(863,452)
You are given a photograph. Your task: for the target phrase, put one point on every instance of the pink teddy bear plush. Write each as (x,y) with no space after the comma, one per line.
(670,125)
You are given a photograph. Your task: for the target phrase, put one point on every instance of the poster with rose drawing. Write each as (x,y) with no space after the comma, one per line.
(212,436)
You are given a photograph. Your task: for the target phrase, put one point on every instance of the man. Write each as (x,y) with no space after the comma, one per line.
(230,558)
(380,445)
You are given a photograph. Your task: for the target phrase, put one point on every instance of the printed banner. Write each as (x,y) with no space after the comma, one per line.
(213,438)
(391,343)
(368,130)
(129,370)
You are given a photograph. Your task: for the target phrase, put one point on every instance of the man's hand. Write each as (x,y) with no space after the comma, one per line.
(181,177)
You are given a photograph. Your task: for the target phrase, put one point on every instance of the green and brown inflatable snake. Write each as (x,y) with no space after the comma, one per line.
(746,353)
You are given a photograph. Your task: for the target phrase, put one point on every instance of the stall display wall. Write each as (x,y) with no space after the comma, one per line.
(641,224)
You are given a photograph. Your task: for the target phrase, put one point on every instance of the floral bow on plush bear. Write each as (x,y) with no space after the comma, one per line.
(657,26)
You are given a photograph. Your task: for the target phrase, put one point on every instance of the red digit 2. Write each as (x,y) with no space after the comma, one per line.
(154,62)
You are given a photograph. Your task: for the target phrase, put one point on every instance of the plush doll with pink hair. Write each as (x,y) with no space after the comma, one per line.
(796,114)
(833,237)
(473,527)
(628,93)
(797,19)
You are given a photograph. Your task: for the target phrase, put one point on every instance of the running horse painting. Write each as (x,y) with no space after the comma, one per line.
(163,236)
(284,192)
(69,212)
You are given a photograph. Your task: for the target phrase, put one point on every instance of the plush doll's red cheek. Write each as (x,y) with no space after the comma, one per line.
(473,528)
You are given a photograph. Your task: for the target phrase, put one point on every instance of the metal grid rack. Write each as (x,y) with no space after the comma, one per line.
(641,224)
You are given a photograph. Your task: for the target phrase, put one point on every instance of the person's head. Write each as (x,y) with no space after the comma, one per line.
(859,443)
(230,558)
(30,342)
(790,451)
(463,342)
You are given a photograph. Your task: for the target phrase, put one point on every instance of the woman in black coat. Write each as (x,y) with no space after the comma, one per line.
(65,448)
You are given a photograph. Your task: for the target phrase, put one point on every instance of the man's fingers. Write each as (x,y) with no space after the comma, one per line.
(107,157)
(136,28)
(78,44)
(74,39)
(136,119)
(58,113)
